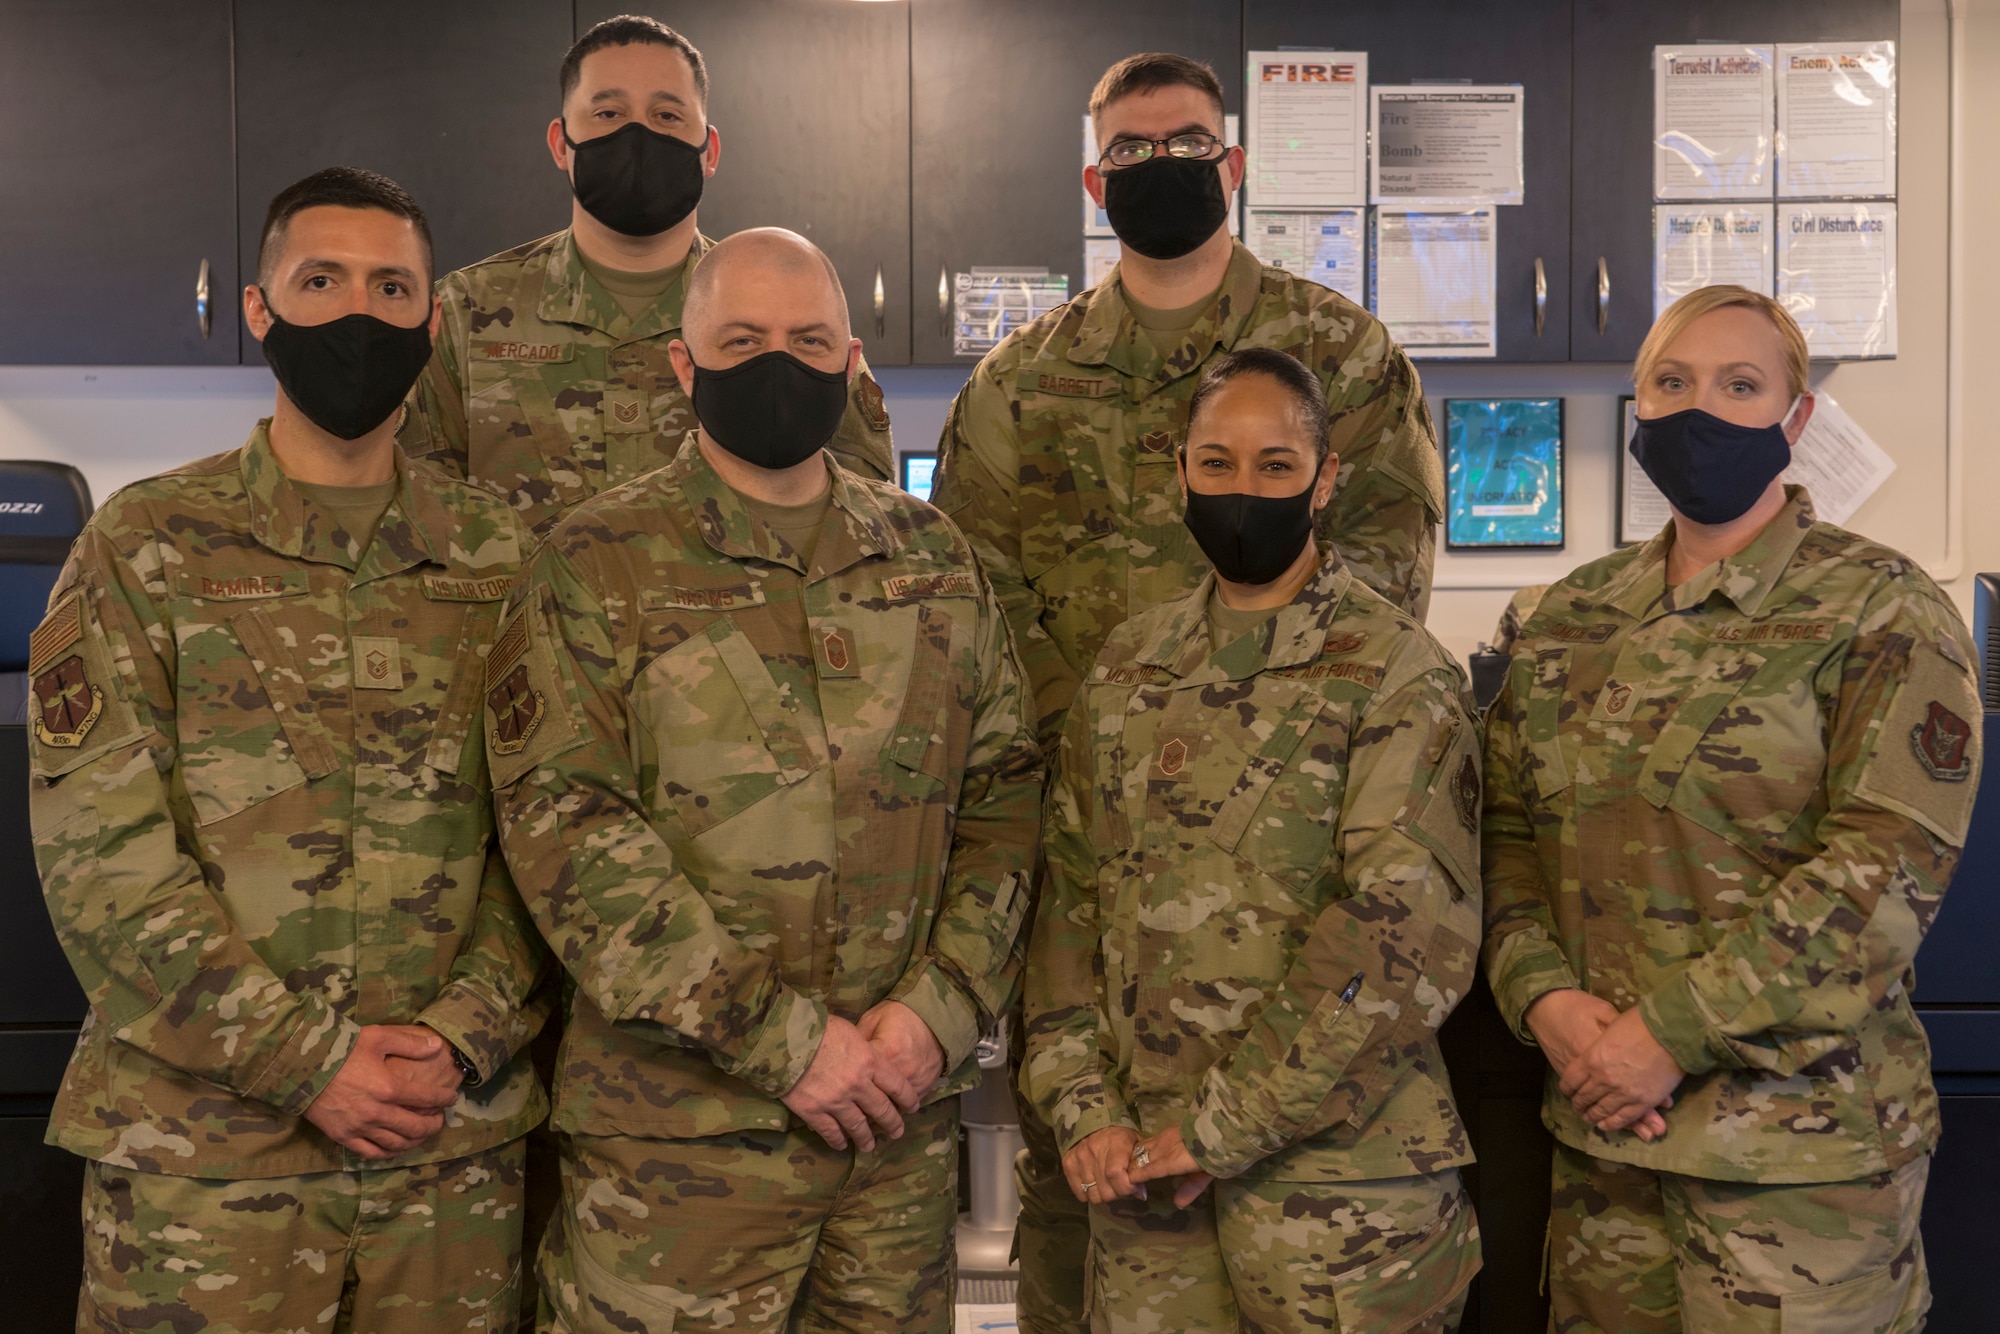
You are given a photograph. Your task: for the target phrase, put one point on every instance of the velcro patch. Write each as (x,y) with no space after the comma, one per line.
(61,628)
(727,598)
(868,397)
(246,586)
(1576,634)
(1365,673)
(954,585)
(1070,386)
(518,350)
(378,663)
(1804,632)
(508,646)
(1131,676)
(67,704)
(1925,759)
(449,588)
(625,411)
(1343,643)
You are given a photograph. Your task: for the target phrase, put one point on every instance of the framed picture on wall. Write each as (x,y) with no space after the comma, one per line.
(1503,464)
(1642,510)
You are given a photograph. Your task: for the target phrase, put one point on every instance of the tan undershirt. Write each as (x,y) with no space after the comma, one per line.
(357,510)
(1226,624)
(799,525)
(1166,328)
(635,293)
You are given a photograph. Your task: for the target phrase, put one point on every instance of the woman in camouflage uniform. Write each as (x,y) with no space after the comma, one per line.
(1262,903)
(1728,780)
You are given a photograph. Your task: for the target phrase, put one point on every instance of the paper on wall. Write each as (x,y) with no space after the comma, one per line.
(1325,247)
(1433,279)
(1307,141)
(1837,275)
(1712,122)
(1642,507)
(1837,119)
(989,304)
(1446,143)
(1700,245)
(1100,256)
(1837,462)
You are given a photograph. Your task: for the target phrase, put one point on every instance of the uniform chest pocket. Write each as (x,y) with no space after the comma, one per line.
(1744,751)
(247,727)
(1066,498)
(520,441)
(459,711)
(727,736)
(1278,814)
(1547,752)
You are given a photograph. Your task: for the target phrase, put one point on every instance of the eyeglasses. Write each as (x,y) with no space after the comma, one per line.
(1131,152)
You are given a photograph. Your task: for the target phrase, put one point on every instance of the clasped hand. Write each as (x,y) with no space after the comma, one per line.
(1106,1165)
(1609,1065)
(867,1076)
(389,1095)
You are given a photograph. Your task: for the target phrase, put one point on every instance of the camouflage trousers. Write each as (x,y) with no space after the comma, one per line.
(757,1230)
(1052,1235)
(1633,1251)
(427,1248)
(1270,1257)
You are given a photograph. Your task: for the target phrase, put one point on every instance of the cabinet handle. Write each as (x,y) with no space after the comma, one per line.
(1541,296)
(944,300)
(203,314)
(881,305)
(1603,294)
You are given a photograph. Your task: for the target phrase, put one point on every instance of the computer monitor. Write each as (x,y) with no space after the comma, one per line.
(914,470)
(1986,633)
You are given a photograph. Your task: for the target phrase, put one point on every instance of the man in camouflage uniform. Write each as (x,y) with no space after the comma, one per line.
(767,779)
(1058,463)
(1723,812)
(263,826)
(551,379)
(1262,903)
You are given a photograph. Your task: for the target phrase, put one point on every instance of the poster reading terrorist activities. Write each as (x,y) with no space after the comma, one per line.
(1503,473)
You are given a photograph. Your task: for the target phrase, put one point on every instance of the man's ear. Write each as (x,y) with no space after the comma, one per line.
(1093,184)
(677,352)
(558,148)
(853,356)
(711,152)
(257,315)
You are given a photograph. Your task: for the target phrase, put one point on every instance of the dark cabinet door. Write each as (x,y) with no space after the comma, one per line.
(115,150)
(1524,42)
(812,100)
(998,93)
(448,100)
(1612,138)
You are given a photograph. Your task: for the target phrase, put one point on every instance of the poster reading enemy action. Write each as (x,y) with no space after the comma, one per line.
(1503,472)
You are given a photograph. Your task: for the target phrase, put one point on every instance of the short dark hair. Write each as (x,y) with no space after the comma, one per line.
(1308,395)
(629,30)
(1155,69)
(339,187)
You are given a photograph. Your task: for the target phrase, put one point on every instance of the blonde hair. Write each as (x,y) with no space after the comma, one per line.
(1700,302)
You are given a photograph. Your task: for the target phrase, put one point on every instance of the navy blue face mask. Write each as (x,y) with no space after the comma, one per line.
(1711,470)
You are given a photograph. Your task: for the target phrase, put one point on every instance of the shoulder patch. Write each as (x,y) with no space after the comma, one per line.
(1926,758)
(1465,793)
(956,584)
(1942,742)
(446,588)
(516,707)
(67,703)
(58,630)
(868,397)
(508,646)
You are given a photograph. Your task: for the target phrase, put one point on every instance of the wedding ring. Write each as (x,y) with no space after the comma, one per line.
(1089,1186)
(1142,1156)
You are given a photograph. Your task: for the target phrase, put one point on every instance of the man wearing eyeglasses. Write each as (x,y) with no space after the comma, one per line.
(1058,462)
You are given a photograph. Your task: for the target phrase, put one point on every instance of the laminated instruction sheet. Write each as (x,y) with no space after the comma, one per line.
(1307,145)
(1837,120)
(1837,275)
(1447,143)
(1433,278)
(1713,130)
(1699,245)
(1326,247)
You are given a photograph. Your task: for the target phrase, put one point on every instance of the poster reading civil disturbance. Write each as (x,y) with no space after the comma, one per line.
(1712,122)
(1433,279)
(1308,129)
(1837,120)
(1447,143)
(1837,275)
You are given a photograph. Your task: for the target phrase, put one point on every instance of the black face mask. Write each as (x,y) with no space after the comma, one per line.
(1251,539)
(1166,207)
(1711,470)
(772,410)
(349,374)
(634,180)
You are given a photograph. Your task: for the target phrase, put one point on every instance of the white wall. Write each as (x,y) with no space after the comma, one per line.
(122,423)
